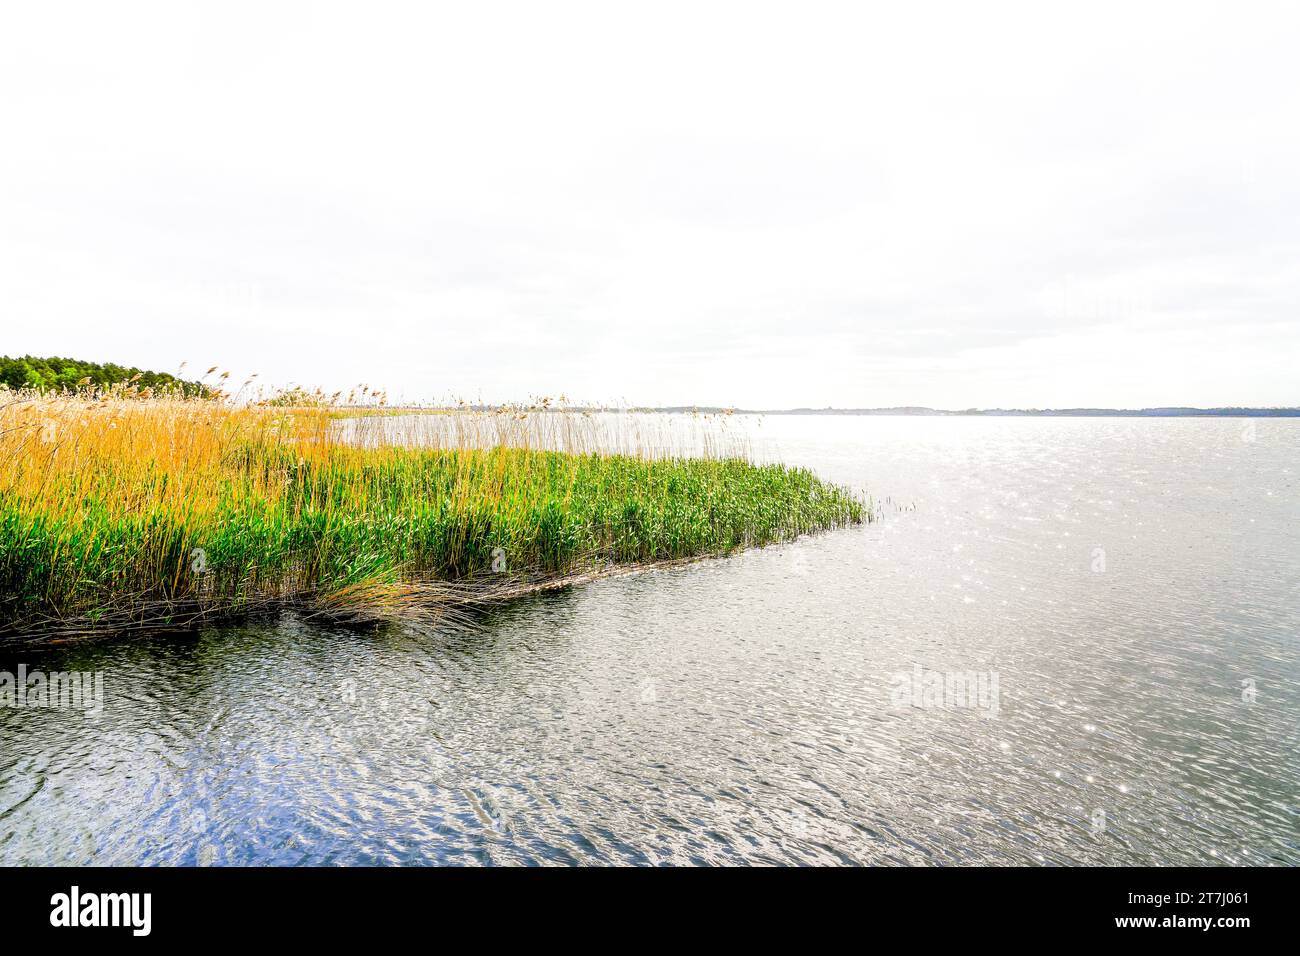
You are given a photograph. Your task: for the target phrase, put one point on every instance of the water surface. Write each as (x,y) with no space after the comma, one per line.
(1132,584)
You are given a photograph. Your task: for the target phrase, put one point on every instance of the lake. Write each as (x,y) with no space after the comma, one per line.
(1064,641)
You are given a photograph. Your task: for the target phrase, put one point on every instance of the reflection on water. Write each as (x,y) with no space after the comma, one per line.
(1133,585)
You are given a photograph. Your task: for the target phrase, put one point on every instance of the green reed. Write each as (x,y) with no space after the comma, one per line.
(256,516)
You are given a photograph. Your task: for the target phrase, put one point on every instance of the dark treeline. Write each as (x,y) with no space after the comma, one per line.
(55,374)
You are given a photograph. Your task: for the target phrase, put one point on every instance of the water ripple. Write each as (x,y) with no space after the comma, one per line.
(1134,585)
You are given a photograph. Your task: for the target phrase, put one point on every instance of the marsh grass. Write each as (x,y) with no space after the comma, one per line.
(119,511)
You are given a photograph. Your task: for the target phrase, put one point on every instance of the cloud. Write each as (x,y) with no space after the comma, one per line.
(705,203)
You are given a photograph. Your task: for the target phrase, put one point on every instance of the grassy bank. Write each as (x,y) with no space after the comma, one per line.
(121,512)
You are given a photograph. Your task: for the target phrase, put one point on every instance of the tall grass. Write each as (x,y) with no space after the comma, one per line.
(118,511)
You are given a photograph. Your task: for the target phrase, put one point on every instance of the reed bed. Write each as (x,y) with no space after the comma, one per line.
(647,435)
(120,511)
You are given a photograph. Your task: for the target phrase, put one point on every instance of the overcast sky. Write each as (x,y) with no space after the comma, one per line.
(763,205)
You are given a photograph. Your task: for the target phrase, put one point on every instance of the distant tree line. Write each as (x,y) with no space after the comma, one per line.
(55,374)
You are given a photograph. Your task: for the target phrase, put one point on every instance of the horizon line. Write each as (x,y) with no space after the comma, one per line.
(1160,411)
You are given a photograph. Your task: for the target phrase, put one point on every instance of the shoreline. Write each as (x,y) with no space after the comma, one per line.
(431,602)
(124,515)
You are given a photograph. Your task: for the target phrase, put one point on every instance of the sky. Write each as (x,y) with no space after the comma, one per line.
(761,205)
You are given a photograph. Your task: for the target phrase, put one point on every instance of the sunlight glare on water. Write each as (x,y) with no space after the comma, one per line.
(1133,586)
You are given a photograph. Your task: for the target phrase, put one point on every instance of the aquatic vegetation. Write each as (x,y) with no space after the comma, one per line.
(119,511)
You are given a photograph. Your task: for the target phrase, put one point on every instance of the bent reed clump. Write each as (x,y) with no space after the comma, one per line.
(121,510)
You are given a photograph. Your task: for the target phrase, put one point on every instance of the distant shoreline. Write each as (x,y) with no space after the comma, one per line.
(914,411)
(1171,412)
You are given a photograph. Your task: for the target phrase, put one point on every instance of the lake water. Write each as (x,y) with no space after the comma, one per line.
(1123,595)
